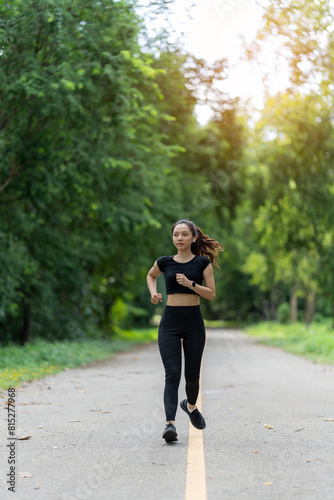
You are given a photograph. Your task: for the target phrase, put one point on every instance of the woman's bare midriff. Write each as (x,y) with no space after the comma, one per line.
(182,299)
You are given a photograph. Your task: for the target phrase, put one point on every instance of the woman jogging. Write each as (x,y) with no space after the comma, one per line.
(182,318)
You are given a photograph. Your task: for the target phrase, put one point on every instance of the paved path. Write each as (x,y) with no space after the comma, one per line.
(96,432)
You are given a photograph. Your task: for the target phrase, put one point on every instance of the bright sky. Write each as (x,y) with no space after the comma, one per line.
(213,31)
(216,24)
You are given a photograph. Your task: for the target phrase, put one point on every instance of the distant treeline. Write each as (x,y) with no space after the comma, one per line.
(101,153)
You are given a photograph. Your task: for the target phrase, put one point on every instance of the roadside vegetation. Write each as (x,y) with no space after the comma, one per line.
(40,357)
(314,341)
(101,153)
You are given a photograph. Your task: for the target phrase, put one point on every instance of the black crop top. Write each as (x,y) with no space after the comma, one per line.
(192,269)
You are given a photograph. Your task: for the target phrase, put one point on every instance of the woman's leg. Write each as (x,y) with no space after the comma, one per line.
(170,351)
(193,346)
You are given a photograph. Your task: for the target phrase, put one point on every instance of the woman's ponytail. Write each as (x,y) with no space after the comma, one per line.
(204,245)
(209,247)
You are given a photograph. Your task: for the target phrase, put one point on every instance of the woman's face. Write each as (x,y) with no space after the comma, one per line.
(182,237)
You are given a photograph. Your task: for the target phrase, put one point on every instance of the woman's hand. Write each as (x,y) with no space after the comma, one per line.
(183,280)
(156,298)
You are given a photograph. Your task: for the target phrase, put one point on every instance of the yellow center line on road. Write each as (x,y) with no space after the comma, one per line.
(196,479)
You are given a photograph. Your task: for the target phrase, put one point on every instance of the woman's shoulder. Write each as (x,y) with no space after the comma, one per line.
(204,261)
(165,258)
(162,261)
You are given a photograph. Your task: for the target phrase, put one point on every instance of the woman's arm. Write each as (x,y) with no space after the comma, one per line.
(151,280)
(208,291)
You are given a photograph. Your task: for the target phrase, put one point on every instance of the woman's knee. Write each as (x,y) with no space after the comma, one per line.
(173,373)
(191,383)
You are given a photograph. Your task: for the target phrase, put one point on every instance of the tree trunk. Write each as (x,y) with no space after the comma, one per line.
(107,308)
(26,333)
(269,310)
(309,307)
(293,304)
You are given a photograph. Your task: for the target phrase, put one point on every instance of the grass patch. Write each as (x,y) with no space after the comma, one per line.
(315,341)
(40,358)
(143,335)
(221,324)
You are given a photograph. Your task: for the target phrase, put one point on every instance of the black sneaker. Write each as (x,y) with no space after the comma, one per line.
(170,433)
(196,417)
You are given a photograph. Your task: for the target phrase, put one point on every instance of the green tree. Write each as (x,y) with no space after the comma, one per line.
(292,181)
(80,153)
(295,204)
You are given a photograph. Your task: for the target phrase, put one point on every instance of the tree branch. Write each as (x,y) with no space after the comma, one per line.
(12,174)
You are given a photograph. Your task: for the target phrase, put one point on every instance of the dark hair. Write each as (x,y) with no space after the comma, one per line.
(204,245)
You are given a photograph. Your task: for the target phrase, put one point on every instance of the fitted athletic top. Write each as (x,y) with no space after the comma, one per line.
(193,270)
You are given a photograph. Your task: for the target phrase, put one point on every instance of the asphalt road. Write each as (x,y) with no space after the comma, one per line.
(96,431)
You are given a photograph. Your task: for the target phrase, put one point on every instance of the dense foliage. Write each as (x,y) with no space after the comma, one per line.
(100,154)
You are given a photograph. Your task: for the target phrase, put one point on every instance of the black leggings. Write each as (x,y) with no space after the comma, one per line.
(183,322)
